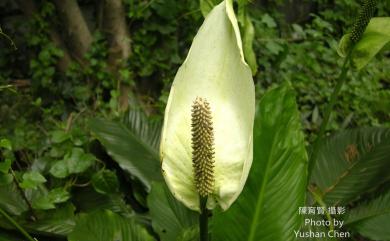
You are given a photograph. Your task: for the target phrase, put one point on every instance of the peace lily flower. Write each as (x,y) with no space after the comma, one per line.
(206,144)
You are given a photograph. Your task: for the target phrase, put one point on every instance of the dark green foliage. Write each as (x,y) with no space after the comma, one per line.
(73,163)
(105,182)
(129,150)
(371,219)
(351,163)
(107,226)
(171,219)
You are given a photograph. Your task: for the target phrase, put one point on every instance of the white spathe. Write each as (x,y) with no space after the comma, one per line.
(214,69)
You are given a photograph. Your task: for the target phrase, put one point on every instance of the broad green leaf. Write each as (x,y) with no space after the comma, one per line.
(131,152)
(148,131)
(322,230)
(60,221)
(105,182)
(170,219)
(375,37)
(371,219)
(350,163)
(32,180)
(214,70)
(268,207)
(74,162)
(11,200)
(107,226)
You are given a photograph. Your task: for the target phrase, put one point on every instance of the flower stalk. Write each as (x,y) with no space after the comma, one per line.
(17,226)
(366,13)
(203,220)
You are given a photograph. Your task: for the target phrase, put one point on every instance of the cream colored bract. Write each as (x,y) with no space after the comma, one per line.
(214,69)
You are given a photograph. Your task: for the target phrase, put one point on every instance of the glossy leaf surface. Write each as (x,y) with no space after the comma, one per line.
(352,162)
(371,219)
(107,226)
(267,209)
(170,218)
(132,153)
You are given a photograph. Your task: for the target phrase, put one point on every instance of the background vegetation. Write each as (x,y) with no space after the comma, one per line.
(67,62)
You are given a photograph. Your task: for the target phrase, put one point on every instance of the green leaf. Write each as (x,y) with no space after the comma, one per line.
(170,219)
(371,219)
(60,221)
(107,226)
(56,195)
(32,180)
(190,234)
(268,207)
(148,131)
(5,179)
(315,228)
(43,203)
(274,47)
(11,200)
(207,5)
(5,143)
(268,20)
(375,37)
(56,151)
(352,162)
(59,136)
(59,169)
(5,165)
(59,195)
(131,152)
(88,200)
(77,161)
(105,182)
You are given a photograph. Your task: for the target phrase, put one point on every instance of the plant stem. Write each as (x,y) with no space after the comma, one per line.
(328,111)
(17,226)
(203,220)
(8,38)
